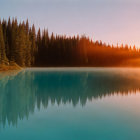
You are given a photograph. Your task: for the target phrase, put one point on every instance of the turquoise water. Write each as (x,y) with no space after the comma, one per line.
(70,104)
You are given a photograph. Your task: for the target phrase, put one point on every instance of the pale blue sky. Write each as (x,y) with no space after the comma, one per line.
(111,21)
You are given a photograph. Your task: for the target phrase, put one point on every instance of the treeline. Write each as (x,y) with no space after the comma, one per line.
(22,44)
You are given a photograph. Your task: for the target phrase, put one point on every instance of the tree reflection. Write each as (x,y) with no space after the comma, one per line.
(19,94)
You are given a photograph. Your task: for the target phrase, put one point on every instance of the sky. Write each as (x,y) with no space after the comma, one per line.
(112,21)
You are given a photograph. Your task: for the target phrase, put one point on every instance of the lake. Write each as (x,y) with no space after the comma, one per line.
(70,104)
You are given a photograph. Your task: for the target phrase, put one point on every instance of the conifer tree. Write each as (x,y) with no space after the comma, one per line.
(9,40)
(20,48)
(3,59)
(28,46)
(39,38)
(14,35)
(4,27)
(33,44)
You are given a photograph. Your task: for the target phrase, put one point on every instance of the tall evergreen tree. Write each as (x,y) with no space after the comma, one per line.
(33,44)
(28,46)
(3,58)
(9,40)
(13,38)
(20,48)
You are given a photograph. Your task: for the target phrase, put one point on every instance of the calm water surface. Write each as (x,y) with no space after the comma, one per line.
(70,104)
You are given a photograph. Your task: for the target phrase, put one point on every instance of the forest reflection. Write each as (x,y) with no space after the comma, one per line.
(21,92)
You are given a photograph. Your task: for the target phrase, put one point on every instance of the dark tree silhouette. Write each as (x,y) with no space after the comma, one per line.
(21,44)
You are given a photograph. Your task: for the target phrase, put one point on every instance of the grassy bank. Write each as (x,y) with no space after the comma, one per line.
(9,67)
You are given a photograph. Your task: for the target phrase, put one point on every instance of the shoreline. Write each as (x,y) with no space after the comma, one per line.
(5,68)
(11,68)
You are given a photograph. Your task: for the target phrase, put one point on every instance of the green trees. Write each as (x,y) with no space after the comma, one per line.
(20,46)
(33,44)
(19,43)
(3,58)
(12,43)
(28,45)
(16,42)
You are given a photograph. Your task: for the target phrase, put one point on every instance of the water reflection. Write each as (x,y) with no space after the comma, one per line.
(21,92)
